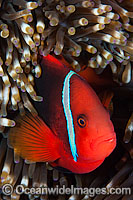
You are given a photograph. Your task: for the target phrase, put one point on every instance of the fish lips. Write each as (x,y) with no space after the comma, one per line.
(104,146)
(100,150)
(102,140)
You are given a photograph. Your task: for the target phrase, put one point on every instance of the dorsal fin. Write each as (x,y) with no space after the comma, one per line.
(51,61)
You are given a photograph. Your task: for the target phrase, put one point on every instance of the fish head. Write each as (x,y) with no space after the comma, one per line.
(94,132)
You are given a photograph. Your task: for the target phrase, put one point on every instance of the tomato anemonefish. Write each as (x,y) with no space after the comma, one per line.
(75,131)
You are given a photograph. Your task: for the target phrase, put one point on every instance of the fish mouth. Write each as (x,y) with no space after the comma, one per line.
(102,147)
(102,140)
(112,139)
(108,143)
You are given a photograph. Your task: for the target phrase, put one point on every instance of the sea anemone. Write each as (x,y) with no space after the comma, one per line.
(86,33)
(91,33)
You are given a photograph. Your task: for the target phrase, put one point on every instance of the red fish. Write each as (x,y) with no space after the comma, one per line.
(75,131)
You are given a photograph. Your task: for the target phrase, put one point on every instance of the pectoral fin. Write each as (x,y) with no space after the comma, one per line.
(33,140)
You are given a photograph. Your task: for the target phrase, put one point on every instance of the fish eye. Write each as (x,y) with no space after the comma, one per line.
(81,121)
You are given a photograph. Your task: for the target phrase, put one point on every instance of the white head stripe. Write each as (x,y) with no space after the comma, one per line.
(68,114)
